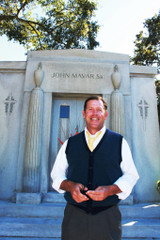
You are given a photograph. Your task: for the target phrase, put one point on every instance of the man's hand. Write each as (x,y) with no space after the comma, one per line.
(102,192)
(76,193)
(75,190)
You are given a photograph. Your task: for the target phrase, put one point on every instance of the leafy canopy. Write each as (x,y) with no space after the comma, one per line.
(50,24)
(147,43)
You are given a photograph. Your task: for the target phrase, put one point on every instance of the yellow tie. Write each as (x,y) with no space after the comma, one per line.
(91,140)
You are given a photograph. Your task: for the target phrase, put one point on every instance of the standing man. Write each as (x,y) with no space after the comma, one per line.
(95,169)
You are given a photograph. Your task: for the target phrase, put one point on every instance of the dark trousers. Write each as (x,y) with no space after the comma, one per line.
(79,225)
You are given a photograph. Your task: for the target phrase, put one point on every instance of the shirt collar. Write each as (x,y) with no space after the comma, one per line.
(102,130)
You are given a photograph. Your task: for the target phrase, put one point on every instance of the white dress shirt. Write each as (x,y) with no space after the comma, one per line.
(126,182)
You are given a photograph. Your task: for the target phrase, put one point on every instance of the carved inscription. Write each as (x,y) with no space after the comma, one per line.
(9,103)
(77,75)
(143,109)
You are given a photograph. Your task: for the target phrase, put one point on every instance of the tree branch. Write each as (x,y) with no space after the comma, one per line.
(22,7)
(11,17)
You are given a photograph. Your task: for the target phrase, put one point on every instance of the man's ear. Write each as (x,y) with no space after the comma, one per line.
(84,115)
(106,114)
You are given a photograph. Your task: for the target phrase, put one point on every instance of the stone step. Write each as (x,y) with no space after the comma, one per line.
(43,221)
(56,210)
(141,228)
(147,210)
(30,227)
(30,238)
(29,210)
(33,238)
(51,228)
(52,197)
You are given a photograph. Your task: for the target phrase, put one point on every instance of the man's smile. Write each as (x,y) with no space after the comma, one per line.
(95,119)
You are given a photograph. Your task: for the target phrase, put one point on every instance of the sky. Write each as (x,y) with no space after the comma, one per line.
(119,20)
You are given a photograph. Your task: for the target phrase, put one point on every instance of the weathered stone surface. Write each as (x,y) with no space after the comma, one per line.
(69,77)
(28,198)
(146,138)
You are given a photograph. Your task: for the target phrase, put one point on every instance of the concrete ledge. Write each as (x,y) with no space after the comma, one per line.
(147,71)
(54,197)
(28,198)
(51,228)
(12,66)
(59,198)
(78,54)
(127,201)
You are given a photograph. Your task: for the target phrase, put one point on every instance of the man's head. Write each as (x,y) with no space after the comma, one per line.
(95,113)
(95,98)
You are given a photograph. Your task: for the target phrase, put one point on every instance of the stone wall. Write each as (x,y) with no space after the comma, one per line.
(12,75)
(74,73)
(146,135)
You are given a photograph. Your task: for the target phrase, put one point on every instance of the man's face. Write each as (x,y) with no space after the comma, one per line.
(95,114)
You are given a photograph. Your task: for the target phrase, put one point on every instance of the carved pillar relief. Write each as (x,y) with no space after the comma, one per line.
(31,180)
(117,119)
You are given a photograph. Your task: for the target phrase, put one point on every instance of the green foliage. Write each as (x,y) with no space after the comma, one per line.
(50,24)
(147,43)
(158,186)
(157,84)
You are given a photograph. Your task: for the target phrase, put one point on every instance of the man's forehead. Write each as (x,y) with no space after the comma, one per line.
(95,102)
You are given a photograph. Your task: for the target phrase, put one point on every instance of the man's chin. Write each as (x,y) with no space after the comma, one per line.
(94,127)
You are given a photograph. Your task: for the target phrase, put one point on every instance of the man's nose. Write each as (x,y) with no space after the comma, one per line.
(95,111)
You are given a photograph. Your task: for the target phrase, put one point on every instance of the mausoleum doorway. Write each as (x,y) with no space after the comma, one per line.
(66,120)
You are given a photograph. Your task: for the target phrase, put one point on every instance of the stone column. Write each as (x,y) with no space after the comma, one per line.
(31,180)
(117,118)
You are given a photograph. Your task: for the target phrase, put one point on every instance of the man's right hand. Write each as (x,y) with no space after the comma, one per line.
(75,190)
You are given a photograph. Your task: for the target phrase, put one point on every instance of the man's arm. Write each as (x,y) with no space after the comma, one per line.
(58,173)
(60,182)
(129,172)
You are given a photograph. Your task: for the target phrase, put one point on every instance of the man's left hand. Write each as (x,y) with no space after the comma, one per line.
(102,192)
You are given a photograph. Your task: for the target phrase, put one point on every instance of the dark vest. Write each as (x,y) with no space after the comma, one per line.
(92,169)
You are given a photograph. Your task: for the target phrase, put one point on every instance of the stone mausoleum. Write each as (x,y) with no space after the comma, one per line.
(41,102)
